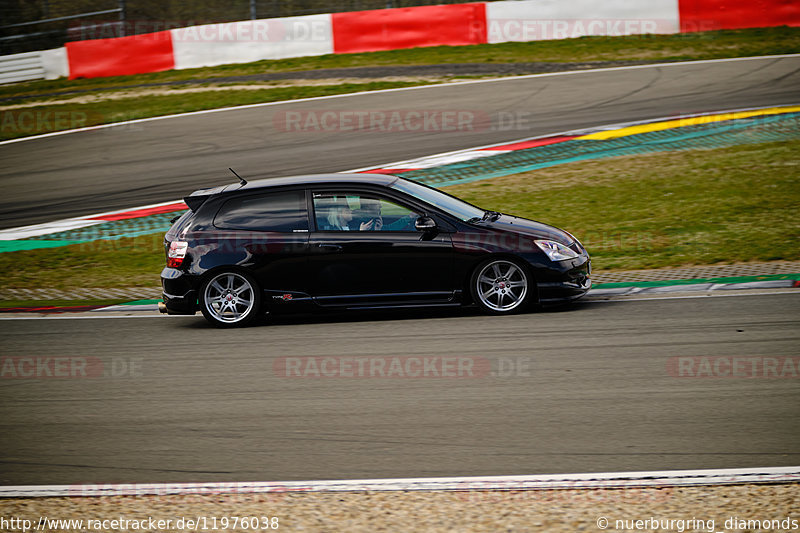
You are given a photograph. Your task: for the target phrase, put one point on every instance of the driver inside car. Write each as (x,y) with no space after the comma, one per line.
(370,218)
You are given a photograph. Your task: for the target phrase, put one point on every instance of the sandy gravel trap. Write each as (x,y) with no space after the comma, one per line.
(748,507)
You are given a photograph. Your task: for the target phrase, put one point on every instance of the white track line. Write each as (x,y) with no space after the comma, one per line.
(383,91)
(664,478)
(622,298)
(83,317)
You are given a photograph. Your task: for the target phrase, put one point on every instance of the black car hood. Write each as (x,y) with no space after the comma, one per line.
(530,228)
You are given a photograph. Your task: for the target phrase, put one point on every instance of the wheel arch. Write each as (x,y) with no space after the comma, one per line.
(213,271)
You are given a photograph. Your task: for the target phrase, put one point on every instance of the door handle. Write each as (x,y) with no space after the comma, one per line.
(331,247)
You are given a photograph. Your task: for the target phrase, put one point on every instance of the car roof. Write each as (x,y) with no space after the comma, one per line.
(308,179)
(199,196)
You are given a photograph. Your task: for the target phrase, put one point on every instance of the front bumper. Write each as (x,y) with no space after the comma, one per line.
(573,282)
(565,291)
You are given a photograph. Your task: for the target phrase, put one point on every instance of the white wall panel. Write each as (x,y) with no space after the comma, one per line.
(252,40)
(55,63)
(536,20)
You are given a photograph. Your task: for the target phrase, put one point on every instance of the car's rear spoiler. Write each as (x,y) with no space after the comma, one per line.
(199,197)
(194,202)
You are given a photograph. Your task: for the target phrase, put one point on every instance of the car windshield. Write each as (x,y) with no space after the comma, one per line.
(450,204)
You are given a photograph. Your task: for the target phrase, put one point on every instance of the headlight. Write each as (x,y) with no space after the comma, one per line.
(555,250)
(580,245)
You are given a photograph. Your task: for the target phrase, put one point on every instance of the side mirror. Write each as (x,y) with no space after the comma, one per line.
(425,223)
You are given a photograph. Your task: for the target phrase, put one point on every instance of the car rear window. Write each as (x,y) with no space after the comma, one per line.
(181,223)
(283,212)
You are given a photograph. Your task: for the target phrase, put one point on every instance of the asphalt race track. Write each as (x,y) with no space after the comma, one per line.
(583,389)
(89,172)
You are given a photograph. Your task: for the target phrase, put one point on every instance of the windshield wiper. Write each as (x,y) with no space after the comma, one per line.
(487,215)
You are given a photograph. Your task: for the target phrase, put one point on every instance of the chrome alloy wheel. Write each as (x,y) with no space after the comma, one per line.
(501,286)
(229,298)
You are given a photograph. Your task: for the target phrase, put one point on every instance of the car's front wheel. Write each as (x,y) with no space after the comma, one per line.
(501,286)
(230,299)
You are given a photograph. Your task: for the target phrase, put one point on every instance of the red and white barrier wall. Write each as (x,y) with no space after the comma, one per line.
(391,29)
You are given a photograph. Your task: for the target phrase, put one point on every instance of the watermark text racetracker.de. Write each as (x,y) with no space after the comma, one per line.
(22,121)
(402,367)
(778,367)
(70,367)
(538,29)
(400,120)
(28,121)
(288,29)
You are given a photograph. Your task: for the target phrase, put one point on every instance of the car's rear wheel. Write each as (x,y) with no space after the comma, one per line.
(501,286)
(230,299)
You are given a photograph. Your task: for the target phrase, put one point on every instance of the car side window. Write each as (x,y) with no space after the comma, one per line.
(283,212)
(361,212)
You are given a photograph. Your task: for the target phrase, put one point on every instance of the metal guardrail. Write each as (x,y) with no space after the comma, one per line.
(21,67)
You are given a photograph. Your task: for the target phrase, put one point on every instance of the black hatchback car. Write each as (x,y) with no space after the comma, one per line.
(358,241)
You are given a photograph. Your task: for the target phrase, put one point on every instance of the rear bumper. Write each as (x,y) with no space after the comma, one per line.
(185,304)
(178,294)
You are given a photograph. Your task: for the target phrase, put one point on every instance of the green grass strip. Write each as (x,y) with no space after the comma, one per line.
(9,305)
(16,246)
(141,302)
(674,282)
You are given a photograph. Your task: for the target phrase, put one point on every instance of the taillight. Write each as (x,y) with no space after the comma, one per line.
(177,251)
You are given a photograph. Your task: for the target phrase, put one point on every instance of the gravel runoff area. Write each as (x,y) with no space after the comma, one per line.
(676,509)
(660,274)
